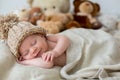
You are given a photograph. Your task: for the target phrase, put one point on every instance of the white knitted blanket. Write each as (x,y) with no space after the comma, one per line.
(92,54)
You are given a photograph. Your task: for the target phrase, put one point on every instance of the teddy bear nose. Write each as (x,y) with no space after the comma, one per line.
(87,4)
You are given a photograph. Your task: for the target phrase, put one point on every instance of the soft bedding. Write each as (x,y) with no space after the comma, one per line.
(92,54)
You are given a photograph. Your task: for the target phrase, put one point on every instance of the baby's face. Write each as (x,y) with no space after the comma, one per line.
(33,46)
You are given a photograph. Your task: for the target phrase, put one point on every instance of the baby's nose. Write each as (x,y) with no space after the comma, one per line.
(33,50)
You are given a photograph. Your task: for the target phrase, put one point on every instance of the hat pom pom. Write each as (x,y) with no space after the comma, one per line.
(7,22)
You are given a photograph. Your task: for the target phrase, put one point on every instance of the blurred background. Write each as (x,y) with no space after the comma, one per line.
(12,5)
(107,6)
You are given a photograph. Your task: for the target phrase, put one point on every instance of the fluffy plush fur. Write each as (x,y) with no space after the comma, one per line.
(35,14)
(56,22)
(23,14)
(56,5)
(56,14)
(85,13)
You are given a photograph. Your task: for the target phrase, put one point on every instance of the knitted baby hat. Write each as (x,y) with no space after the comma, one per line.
(18,32)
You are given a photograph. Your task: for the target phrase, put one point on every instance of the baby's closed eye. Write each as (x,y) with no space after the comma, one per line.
(34,42)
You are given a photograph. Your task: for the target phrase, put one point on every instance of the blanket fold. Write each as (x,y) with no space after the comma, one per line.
(92,53)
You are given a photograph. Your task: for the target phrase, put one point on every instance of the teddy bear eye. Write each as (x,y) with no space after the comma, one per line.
(53,7)
(45,9)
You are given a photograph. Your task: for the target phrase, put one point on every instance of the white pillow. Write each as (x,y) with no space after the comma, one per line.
(5,55)
(6,59)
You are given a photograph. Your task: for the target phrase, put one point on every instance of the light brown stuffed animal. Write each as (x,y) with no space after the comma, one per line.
(23,14)
(56,22)
(85,13)
(31,15)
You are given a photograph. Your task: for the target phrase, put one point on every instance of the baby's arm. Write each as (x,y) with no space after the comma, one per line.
(62,43)
(37,62)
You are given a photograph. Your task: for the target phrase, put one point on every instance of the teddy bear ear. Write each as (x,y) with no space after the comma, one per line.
(7,22)
(77,2)
(30,2)
(96,9)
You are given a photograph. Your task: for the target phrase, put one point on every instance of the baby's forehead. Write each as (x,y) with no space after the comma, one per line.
(32,36)
(29,38)
(26,42)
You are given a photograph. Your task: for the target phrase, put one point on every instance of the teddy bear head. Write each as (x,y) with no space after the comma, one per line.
(86,6)
(35,14)
(23,14)
(53,5)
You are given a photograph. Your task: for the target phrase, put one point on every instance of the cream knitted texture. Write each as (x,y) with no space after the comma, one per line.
(7,22)
(18,32)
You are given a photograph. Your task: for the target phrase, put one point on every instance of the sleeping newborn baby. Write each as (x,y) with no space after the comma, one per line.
(38,49)
(42,51)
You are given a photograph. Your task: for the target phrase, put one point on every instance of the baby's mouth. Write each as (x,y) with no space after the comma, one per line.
(39,53)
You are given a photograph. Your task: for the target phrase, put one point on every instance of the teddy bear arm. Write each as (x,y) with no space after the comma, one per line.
(50,27)
(73,24)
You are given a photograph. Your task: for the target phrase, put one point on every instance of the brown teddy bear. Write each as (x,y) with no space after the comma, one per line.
(55,22)
(35,14)
(85,13)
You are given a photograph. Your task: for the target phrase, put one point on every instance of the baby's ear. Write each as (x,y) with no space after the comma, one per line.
(20,58)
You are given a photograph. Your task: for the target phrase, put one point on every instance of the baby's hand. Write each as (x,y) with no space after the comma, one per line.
(48,56)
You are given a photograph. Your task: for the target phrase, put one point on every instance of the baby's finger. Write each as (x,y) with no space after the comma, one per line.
(48,57)
(44,57)
(51,58)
